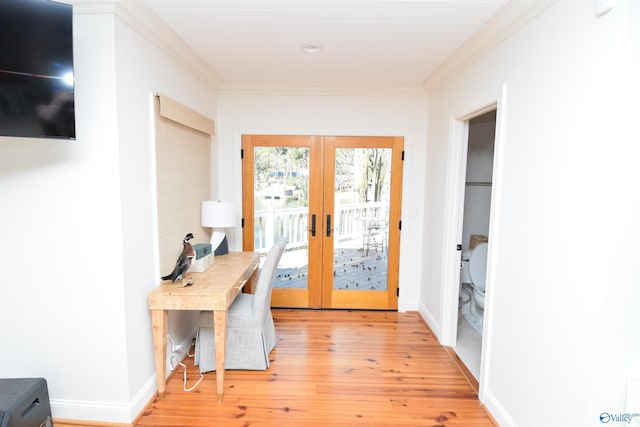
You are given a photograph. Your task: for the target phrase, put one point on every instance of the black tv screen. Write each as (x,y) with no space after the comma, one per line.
(36,69)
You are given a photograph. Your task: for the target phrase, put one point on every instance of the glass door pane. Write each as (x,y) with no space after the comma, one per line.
(281,208)
(362,197)
(361,212)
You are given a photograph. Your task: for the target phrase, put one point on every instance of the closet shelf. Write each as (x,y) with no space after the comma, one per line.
(478,184)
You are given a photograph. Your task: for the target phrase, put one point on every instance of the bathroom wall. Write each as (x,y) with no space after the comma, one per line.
(477,197)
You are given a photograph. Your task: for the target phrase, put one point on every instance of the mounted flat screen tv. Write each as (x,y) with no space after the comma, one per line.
(36,69)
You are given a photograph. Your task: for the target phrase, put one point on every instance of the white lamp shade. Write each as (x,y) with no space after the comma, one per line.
(217,214)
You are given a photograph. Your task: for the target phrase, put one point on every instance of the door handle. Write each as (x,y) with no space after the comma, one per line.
(313,225)
(328,225)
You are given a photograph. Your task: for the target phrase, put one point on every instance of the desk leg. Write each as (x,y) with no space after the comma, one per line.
(220,327)
(159,325)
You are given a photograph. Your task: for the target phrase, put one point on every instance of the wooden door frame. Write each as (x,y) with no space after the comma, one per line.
(326,296)
(310,297)
(353,298)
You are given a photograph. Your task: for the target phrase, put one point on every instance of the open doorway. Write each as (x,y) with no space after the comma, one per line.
(474,239)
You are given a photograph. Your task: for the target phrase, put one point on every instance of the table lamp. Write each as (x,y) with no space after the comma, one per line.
(218,215)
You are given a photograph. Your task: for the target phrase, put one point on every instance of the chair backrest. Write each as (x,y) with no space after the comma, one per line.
(262,296)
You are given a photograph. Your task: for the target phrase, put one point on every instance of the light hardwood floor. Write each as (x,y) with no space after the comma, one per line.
(332,368)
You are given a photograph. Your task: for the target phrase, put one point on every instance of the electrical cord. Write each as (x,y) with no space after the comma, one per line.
(175,362)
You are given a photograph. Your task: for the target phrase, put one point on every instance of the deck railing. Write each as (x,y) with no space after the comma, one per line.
(293,223)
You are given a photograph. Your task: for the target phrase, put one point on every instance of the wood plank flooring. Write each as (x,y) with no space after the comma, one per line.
(332,368)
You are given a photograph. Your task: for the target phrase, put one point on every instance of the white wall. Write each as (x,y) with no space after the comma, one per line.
(78,240)
(401,115)
(563,287)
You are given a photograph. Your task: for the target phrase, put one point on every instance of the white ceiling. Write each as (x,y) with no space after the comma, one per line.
(367,43)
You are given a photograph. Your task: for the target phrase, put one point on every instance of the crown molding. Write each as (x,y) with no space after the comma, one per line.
(510,19)
(228,88)
(142,20)
(93,7)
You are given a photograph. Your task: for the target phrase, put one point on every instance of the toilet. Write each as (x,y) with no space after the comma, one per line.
(474,273)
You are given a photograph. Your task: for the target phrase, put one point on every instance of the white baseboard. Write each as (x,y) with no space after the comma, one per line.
(499,414)
(431,321)
(116,412)
(108,412)
(410,305)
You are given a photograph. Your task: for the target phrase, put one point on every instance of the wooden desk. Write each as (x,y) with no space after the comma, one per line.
(215,290)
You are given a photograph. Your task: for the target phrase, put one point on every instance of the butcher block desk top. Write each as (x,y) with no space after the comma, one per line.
(215,289)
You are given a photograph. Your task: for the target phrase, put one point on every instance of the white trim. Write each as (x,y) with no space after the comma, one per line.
(116,412)
(91,410)
(454,197)
(452,227)
(497,411)
(428,318)
(494,230)
(335,90)
(510,19)
(408,305)
(108,412)
(140,18)
(454,212)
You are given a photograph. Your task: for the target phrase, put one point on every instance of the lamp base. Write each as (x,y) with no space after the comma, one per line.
(219,243)
(223,247)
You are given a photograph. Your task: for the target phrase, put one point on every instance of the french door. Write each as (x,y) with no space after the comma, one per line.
(337,201)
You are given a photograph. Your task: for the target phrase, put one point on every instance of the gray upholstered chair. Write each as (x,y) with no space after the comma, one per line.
(251,334)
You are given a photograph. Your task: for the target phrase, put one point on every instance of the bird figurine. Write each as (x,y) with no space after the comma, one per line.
(184,262)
